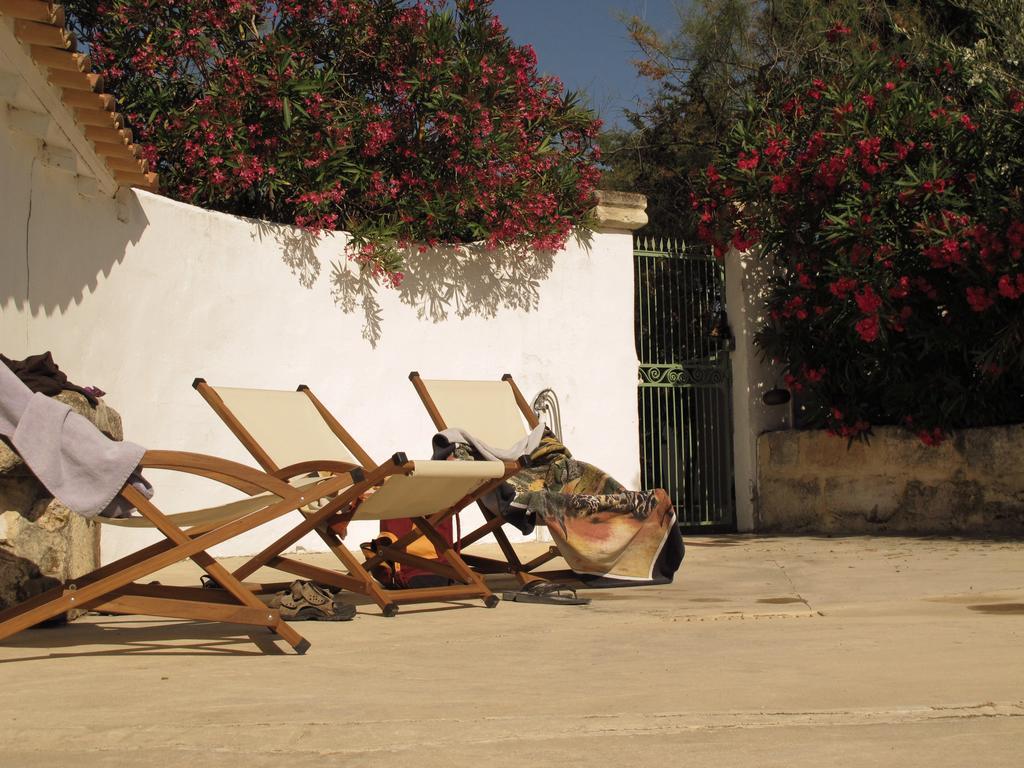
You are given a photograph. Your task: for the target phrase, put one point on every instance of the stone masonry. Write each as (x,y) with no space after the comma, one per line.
(41,540)
(971,485)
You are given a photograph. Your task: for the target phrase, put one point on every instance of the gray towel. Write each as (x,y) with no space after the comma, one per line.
(524,447)
(77,463)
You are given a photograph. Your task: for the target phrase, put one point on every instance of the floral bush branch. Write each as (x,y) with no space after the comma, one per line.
(887,186)
(399,121)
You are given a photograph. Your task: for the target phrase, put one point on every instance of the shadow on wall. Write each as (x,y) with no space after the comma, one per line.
(68,245)
(298,249)
(439,283)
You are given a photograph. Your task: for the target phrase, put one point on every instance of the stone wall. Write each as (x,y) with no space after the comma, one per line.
(41,540)
(972,484)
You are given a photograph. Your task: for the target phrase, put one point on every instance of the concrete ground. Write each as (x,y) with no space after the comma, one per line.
(766,652)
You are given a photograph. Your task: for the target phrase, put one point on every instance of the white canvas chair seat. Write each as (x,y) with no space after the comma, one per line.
(229,511)
(487,410)
(497,413)
(291,432)
(432,486)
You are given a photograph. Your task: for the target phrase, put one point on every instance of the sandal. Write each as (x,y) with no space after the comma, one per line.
(549,592)
(306,601)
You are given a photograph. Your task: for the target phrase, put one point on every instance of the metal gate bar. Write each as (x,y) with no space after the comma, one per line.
(684,397)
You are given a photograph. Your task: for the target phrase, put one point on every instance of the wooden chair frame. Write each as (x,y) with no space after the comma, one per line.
(357,577)
(494,521)
(114,588)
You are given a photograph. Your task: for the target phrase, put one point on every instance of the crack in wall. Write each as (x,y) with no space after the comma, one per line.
(28,252)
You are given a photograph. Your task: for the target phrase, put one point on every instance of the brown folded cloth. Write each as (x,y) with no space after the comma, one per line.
(40,374)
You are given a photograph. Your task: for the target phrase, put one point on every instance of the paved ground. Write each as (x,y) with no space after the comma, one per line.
(766,652)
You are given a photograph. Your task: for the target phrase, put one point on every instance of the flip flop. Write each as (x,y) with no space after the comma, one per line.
(547,592)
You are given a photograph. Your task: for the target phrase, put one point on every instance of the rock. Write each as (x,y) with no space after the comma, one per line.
(42,543)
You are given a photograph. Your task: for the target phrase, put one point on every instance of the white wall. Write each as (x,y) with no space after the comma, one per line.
(142,306)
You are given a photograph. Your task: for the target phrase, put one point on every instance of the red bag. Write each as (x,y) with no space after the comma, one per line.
(398,575)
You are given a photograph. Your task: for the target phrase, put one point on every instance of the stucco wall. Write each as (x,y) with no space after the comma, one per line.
(973,484)
(140,296)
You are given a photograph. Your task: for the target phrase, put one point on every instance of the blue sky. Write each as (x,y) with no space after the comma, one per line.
(585,44)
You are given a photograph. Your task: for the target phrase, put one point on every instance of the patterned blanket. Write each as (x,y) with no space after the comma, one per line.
(602,530)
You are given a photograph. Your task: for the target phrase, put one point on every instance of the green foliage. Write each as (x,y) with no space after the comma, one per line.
(883,178)
(726,52)
(401,121)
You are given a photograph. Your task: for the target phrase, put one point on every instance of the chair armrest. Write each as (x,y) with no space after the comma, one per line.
(309,467)
(246,479)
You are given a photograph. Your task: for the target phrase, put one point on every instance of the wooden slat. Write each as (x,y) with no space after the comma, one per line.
(180,609)
(57,59)
(99,135)
(146,181)
(117,150)
(88,100)
(99,117)
(78,81)
(47,35)
(33,10)
(127,165)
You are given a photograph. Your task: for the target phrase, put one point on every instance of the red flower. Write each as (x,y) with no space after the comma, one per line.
(837,31)
(748,162)
(1007,289)
(979,299)
(842,287)
(868,301)
(867,328)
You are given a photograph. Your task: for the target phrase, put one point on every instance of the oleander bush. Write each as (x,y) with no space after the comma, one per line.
(400,121)
(884,187)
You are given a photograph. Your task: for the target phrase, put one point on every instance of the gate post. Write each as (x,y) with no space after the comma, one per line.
(746,281)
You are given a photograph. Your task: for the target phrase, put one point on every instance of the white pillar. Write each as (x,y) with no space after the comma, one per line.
(745,292)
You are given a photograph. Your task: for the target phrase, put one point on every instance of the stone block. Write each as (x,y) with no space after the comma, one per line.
(778,449)
(821,450)
(788,504)
(970,485)
(995,452)
(865,504)
(903,452)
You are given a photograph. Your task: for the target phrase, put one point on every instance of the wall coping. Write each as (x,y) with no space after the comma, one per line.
(620,210)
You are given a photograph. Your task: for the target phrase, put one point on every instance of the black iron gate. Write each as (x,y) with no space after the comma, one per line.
(685,400)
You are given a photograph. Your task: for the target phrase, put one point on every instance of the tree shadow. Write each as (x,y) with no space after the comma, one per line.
(441,283)
(298,249)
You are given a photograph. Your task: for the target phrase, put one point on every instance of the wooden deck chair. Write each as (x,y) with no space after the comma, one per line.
(116,588)
(292,433)
(496,413)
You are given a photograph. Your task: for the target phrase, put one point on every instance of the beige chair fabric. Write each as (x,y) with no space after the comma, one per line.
(219,514)
(290,429)
(434,486)
(487,410)
(286,425)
